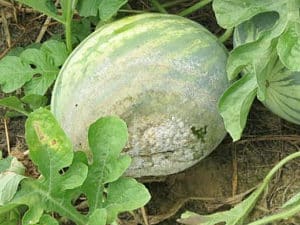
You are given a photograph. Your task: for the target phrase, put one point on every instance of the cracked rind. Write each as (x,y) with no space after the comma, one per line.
(163,75)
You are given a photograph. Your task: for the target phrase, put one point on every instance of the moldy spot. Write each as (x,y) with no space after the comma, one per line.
(200,133)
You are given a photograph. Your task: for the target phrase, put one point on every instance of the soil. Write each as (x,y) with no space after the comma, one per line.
(216,183)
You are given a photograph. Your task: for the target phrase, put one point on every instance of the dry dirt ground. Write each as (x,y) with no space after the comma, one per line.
(216,183)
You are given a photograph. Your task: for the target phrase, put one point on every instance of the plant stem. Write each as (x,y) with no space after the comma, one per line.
(173,3)
(278,216)
(131,11)
(279,165)
(286,213)
(226,35)
(68,26)
(158,6)
(194,8)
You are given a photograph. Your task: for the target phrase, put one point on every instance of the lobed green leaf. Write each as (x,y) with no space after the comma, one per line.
(44,6)
(125,194)
(50,148)
(35,68)
(14,73)
(107,137)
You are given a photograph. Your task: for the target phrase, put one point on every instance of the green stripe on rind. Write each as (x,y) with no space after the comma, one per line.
(148,69)
(283,95)
(113,32)
(282,109)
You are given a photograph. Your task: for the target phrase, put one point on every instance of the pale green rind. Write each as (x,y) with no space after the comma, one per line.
(283,95)
(162,74)
(279,88)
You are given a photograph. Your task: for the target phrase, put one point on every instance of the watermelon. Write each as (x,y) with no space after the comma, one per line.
(162,74)
(281,85)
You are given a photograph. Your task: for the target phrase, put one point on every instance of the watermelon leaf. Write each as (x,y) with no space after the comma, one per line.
(44,6)
(14,103)
(47,220)
(98,217)
(14,73)
(231,13)
(264,30)
(124,194)
(107,137)
(88,7)
(35,101)
(65,175)
(289,47)
(108,8)
(37,68)
(234,105)
(10,179)
(105,9)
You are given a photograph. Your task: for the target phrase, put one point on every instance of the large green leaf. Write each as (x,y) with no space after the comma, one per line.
(98,217)
(35,68)
(108,8)
(231,13)
(235,104)
(263,30)
(44,6)
(88,7)
(51,151)
(107,137)
(14,73)
(289,46)
(125,194)
(46,62)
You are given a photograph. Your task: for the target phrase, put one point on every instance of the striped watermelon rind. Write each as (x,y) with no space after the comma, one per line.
(163,74)
(281,86)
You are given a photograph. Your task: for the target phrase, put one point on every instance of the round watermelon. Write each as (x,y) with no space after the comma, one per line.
(162,74)
(281,85)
